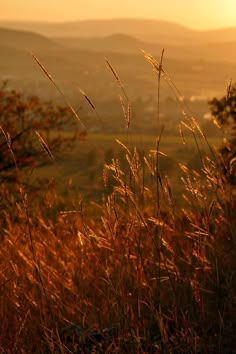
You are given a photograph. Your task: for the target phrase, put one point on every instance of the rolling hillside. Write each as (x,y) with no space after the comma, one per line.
(16,61)
(19,39)
(121,43)
(142,29)
(197,68)
(146,30)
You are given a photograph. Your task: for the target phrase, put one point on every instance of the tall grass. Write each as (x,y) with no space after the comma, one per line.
(147,277)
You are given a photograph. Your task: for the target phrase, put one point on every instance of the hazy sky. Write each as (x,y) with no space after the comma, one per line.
(199,14)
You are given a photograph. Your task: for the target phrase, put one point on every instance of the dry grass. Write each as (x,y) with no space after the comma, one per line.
(146,278)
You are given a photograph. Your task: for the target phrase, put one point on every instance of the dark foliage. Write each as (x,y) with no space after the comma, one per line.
(28,126)
(224,111)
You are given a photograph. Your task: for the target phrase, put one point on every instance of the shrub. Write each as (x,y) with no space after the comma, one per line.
(224,111)
(20,117)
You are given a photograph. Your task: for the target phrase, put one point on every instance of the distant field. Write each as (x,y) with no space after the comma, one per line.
(144,141)
(84,165)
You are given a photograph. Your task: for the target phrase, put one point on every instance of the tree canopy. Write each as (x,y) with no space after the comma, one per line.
(224,111)
(27,122)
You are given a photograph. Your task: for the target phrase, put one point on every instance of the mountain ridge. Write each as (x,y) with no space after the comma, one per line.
(143,29)
(118,43)
(201,67)
(23,39)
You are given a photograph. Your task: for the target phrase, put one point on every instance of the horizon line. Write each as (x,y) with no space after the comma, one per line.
(116,19)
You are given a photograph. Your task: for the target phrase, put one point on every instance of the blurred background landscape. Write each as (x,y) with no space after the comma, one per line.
(199,62)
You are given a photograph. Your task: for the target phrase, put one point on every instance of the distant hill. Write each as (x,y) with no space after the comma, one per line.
(120,43)
(16,60)
(115,43)
(25,40)
(219,35)
(146,30)
(219,51)
(142,29)
(156,31)
(199,67)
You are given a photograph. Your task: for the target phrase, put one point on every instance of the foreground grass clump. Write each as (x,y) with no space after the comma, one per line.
(145,278)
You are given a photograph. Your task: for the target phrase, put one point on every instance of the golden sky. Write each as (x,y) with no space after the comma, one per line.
(197,14)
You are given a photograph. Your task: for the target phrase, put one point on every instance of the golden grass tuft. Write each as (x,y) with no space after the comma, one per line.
(147,277)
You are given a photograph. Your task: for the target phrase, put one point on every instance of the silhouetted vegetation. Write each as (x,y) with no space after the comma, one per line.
(26,123)
(224,111)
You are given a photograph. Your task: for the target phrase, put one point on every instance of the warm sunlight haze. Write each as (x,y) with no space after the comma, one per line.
(117,176)
(201,14)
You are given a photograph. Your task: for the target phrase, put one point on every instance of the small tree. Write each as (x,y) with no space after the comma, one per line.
(20,118)
(224,111)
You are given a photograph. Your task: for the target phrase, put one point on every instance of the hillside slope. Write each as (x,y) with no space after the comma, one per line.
(148,30)
(19,39)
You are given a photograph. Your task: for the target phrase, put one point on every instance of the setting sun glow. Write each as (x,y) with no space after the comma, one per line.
(202,14)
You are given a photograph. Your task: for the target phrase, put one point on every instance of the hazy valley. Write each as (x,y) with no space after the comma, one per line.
(131,211)
(199,62)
